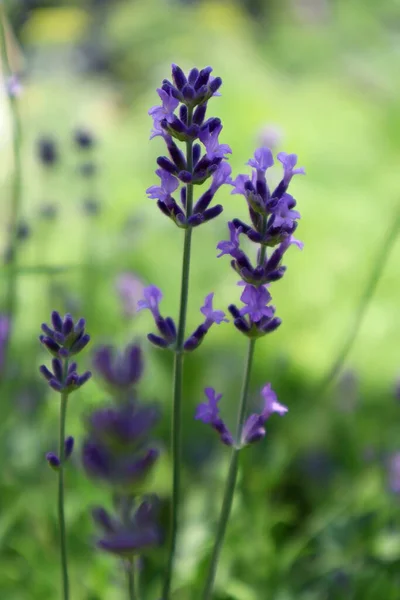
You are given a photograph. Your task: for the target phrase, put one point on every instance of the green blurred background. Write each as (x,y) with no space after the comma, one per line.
(316,516)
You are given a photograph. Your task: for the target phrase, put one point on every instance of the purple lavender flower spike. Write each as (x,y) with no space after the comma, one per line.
(152,298)
(289,162)
(208,412)
(256,300)
(233,246)
(210,140)
(212,316)
(162,192)
(262,160)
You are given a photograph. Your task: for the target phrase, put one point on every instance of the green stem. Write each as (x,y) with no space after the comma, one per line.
(372,282)
(61,515)
(16,196)
(176,425)
(231,479)
(131,580)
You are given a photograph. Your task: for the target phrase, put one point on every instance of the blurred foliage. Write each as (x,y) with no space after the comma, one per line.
(313,517)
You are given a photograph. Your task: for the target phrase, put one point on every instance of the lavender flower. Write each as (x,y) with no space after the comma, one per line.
(254,427)
(130,290)
(211,316)
(118,450)
(181,117)
(66,338)
(63,339)
(131,535)
(166,327)
(120,370)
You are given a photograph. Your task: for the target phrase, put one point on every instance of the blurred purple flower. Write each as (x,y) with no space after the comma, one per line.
(130,290)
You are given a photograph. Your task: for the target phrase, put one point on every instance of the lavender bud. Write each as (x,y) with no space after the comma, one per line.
(178,77)
(57,369)
(68,446)
(57,321)
(213,212)
(157,340)
(46,373)
(68,325)
(51,346)
(53,460)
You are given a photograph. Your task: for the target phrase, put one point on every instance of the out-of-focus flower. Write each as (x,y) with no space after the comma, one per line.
(47,151)
(130,290)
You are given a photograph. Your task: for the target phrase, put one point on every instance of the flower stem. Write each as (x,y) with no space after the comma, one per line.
(16,196)
(370,287)
(131,580)
(231,479)
(61,515)
(176,426)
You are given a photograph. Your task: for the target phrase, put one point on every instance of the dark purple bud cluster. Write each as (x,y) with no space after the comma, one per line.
(119,451)
(119,370)
(273,222)
(135,531)
(116,449)
(65,338)
(253,429)
(182,117)
(52,458)
(167,336)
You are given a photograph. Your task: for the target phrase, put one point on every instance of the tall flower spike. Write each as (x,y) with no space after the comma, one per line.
(181,118)
(63,339)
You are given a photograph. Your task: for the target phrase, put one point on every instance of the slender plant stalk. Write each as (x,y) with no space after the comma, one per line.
(231,479)
(131,581)
(364,302)
(61,515)
(176,426)
(16,195)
